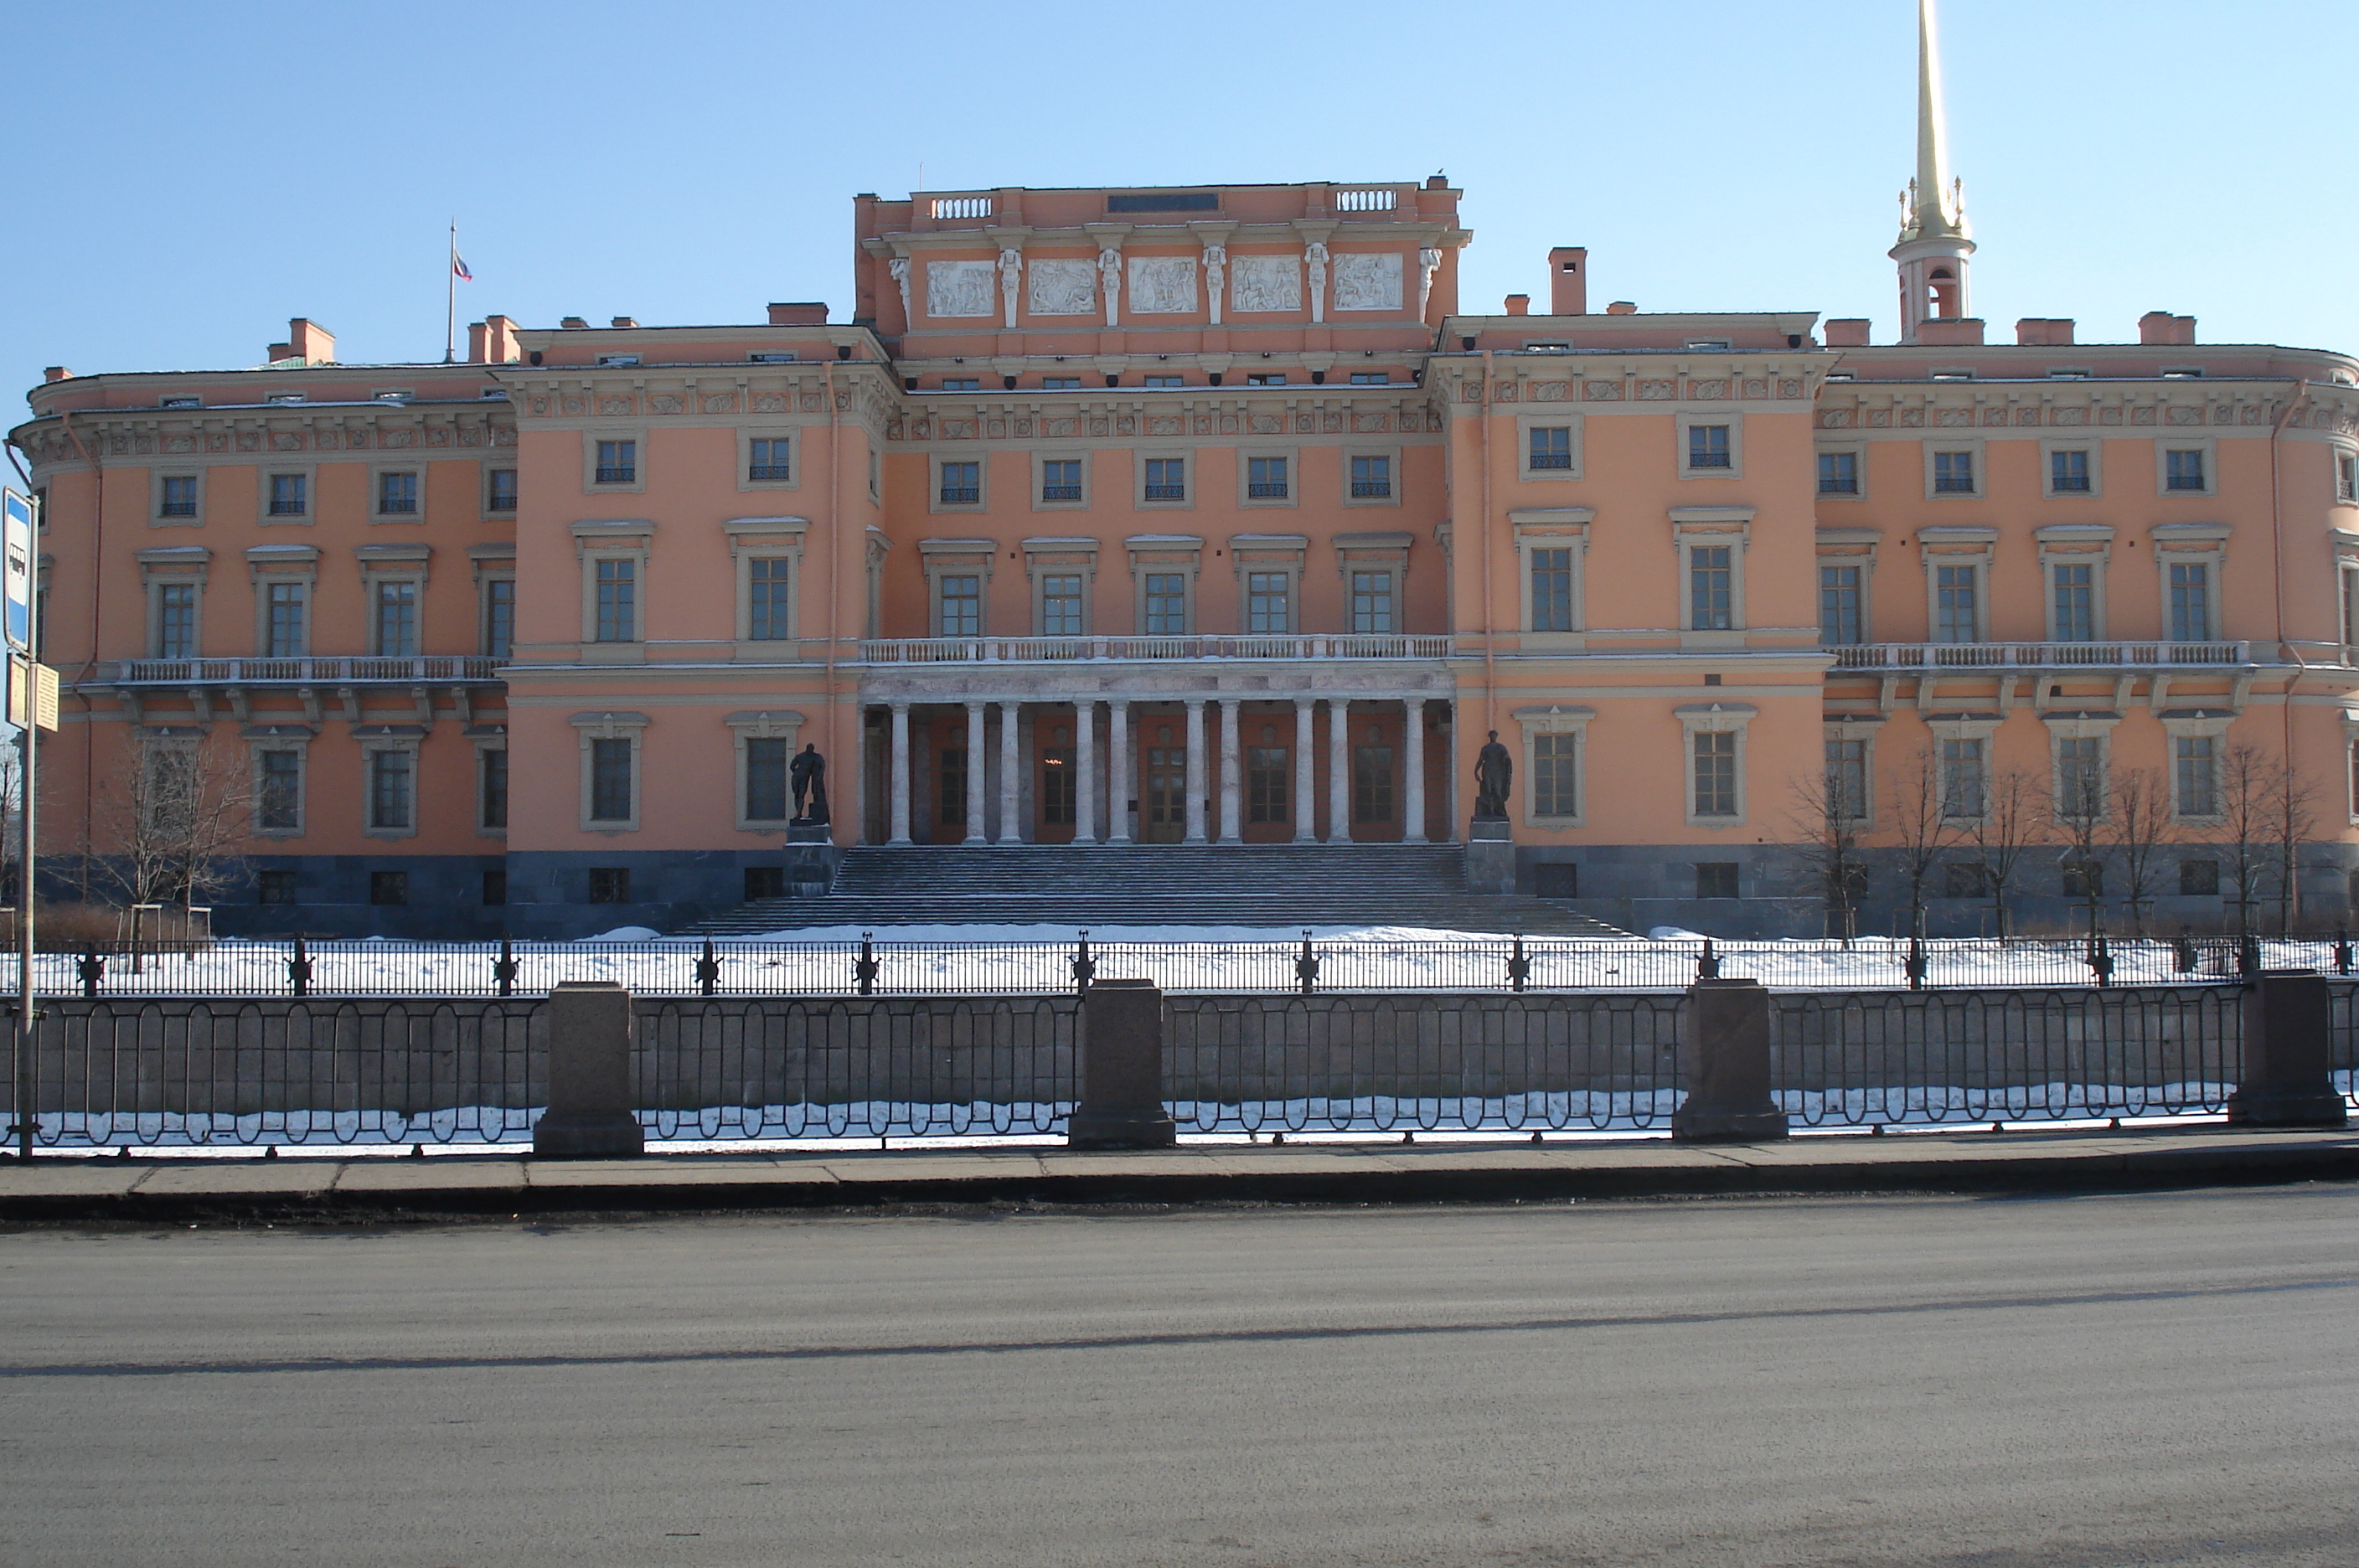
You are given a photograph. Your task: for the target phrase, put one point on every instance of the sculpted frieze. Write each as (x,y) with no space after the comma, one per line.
(959,287)
(1264,283)
(1162,285)
(1062,287)
(1367,281)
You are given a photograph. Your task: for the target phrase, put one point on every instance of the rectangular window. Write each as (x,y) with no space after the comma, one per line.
(391,795)
(610,780)
(1266,479)
(1166,479)
(499,616)
(2195,770)
(2084,879)
(1962,780)
(396,494)
(1372,601)
(1556,776)
(280,804)
(1838,474)
(961,384)
(492,776)
(1551,447)
(390,887)
(1839,606)
(2351,607)
(283,617)
(1166,604)
(1371,377)
(1266,378)
(769,460)
(961,484)
(290,495)
(1060,384)
(2184,470)
(495,886)
(2068,472)
(618,601)
(2080,778)
(2346,477)
(1167,381)
(1057,800)
(1965,879)
(953,793)
(2075,587)
(273,887)
(1955,608)
(1715,879)
(1847,779)
(1060,479)
(767,765)
(1953,473)
(2190,601)
(1265,784)
(1552,589)
(176,621)
(1269,603)
(1708,446)
(1371,784)
(769,598)
(1060,605)
(618,462)
(1715,773)
(395,626)
(610,884)
(500,490)
(961,606)
(179,497)
(1372,478)
(2199,878)
(1711,602)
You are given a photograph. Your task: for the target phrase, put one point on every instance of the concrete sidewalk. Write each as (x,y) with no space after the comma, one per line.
(70,1188)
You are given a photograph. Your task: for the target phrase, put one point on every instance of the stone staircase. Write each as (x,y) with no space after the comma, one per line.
(1279,886)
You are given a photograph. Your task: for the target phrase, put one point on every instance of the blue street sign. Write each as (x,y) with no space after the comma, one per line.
(17,569)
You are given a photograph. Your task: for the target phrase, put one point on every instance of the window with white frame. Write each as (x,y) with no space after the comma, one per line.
(769,766)
(1269,603)
(393,618)
(2195,776)
(2083,790)
(1163,479)
(1953,472)
(1552,587)
(290,495)
(176,497)
(2346,476)
(500,491)
(1957,604)
(618,462)
(1842,605)
(615,584)
(397,493)
(1712,754)
(2072,589)
(1712,587)
(1060,479)
(392,789)
(174,620)
(1550,450)
(1372,478)
(497,632)
(613,779)
(960,483)
(1839,474)
(2068,472)
(285,629)
(1708,447)
(1556,774)
(1963,777)
(1847,798)
(769,598)
(1267,479)
(1061,603)
(959,605)
(769,460)
(492,788)
(1166,597)
(2189,587)
(1372,601)
(279,790)
(2184,470)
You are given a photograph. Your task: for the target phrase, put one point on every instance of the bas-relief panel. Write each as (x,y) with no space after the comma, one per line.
(1062,287)
(1264,283)
(1368,280)
(1162,285)
(961,288)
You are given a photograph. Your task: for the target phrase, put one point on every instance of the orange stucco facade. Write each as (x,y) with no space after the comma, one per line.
(1201,515)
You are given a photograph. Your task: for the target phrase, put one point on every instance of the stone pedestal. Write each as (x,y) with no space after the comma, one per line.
(1490,856)
(810,860)
(2289,1060)
(1122,1069)
(1727,1062)
(589,1114)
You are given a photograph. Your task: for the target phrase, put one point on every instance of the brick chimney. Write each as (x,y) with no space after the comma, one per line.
(1569,281)
(799,313)
(2044,331)
(310,343)
(573,324)
(1622,307)
(622,322)
(1848,331)
(1519,304)
(56,372)
(2162,327)
(1954,331)
(493,341)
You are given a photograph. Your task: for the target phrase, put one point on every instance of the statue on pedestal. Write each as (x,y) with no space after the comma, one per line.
(808,773)
(1494,772)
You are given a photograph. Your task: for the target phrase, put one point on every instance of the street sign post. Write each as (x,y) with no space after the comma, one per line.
(16,569)
(32,707)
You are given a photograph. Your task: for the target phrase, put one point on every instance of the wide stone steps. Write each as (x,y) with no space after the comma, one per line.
(1277,886)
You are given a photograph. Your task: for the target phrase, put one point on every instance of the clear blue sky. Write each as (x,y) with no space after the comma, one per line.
(189,177)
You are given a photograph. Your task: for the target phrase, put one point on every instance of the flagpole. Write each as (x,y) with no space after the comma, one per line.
(450,298)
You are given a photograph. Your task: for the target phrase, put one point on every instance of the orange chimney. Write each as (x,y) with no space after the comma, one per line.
(1622,307)
(1569,281)
(1519,304)
(56,372)
(1955,331)
(2162,327)
(2044,331)
(311,344)
(1848,331)
(801,313)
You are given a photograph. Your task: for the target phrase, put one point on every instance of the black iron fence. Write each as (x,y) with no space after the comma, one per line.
(1306,965)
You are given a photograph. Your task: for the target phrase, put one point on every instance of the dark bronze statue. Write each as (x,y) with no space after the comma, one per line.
(1494,771)
(809,774)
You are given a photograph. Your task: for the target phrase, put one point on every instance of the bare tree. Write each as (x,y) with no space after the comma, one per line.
(169,824)
(2287,815)
(2143,830)
(2084,803)
(2013,819)
(1827,817)
(1922,823)
(2244,829)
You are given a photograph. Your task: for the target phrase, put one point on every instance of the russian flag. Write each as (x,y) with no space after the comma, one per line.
(458,267)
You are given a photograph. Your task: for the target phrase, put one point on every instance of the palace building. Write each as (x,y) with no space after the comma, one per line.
(1207,516)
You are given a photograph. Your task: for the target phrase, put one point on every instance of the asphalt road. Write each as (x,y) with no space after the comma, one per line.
(2103,1381)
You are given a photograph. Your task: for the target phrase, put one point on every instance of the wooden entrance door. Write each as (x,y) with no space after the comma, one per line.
(1163,795)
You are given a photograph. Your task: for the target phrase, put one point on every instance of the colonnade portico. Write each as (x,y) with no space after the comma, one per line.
(1214,809)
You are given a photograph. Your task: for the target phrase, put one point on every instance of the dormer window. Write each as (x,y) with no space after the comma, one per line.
(617,360)
(1708,345)
(183,402)
(961,384)
(2182,372)
(494,395)
(770,359)
(1548,348)
(1955,373)
(284,398)
(2069,373)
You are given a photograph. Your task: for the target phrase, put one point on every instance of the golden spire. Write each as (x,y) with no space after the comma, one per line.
(1934,206)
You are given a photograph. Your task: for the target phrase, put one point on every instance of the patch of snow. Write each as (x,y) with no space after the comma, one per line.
(1675,933)
(627,933)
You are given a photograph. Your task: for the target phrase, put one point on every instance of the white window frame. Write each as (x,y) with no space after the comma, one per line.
(2062,728)
(308,472)
(981,502)
(1688,418)
(2344,474)
(611,725)
(173,566)
(1251,553)
(376,473)
(1975,445)
(295,738)
(2092,447)
(373,740)
(944,558)
(639,454)
(2075,544)
(1969,547)
(282,565)
(1527,423)
(1189,474)
(1982,727)
(1374,551)
(1293,456)
(1392,456)
(1857,451)
(779,723)
(1041,460)
(792,436)
(766,539)
(484,745)
(155,477)
(2212,723)
(1867,730)
(1712,718)
(1849,547)
(1696,527)
(1572,719)
(2165,445)
(1553,528)
(1163,555)
(2195,544)
(1045,557)
(489,467)
(631,539)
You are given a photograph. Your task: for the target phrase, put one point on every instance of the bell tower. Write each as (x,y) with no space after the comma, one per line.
(1935,246)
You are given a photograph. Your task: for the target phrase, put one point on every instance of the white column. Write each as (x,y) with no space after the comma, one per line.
(974,784)
(1085,761)
(1339,770)
(1413,763)
(1120,776)
(1011,775)
(900,831)
(1306,789)
(1195,771)
(1232,791)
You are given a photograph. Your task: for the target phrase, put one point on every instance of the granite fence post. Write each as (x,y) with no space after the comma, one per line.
(1122,1069)
(1727,1060)
(2288,1080)
(589,1115)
